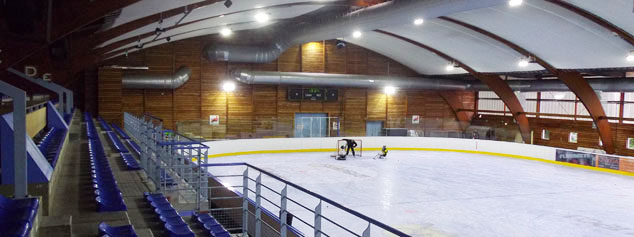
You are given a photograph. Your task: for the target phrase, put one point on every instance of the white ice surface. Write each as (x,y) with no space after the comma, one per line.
(452,194)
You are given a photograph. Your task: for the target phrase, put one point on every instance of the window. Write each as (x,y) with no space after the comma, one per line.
(572,138)
(489,103)
(628,108)
(555,103)
(630,143)
(545,134)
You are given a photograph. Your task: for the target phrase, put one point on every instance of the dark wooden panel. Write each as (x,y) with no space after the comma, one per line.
(335,58)
(109,94)
(313,57)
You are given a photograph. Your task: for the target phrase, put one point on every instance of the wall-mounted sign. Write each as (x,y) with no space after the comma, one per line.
(573,137)
(335,125)
(545,134)
(313,94)
(415,119)
(214,119)
(32,72)
(630,143)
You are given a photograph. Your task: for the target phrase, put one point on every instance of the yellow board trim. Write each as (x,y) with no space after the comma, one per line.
(432,149)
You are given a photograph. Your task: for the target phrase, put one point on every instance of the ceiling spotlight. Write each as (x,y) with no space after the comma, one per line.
(341,44)
(451,66)
(168,39)
(390,90)
(630,56)
(229,86)
(228,3)
(419,21)
(226,32)
(262,17)
(356,34)
(523,62)
(515,3)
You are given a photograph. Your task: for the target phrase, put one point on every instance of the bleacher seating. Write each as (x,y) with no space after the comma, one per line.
(116,231)
(130,162)
(50,143)
(118,145)
(173,222)
(17,216)
(104,125)
(211,224)
(120,131)
(108,194)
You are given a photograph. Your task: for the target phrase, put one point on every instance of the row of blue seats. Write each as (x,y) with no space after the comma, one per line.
(108,194)
(173,222)
(106,230)
(50,144)
(120,131)
(135,147)
(17,216)
(104,124)
(211,224)
(130,161)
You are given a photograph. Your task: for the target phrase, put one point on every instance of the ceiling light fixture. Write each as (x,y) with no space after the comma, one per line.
(419,21)
(523,62)
(228,3)
(356,34)
(390,90)
(262,17)
(515,3)
(226,32)
(229,86)
(630,56)
(451,66)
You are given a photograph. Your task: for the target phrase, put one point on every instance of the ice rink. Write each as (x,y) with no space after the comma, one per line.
(460,194)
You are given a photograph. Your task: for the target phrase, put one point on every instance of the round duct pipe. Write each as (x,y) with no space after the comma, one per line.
(152,81)
(378,16)
(369,81)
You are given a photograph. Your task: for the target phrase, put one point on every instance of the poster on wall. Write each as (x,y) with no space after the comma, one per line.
(630,143)
(415,119)
(214,119)
(573,137)
(575,157)
(335,125)
(609,162)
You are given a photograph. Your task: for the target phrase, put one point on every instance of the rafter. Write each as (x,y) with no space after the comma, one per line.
(493,81)
(574,80)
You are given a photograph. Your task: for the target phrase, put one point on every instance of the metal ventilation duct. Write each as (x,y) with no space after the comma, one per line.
(150,81)
(367,81)
(396,12)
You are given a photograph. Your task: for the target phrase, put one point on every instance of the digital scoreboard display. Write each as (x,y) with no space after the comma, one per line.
(312,94)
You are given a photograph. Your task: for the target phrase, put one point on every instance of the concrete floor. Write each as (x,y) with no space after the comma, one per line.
(450,194)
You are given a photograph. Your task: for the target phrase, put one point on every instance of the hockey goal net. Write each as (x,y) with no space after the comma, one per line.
(342,146)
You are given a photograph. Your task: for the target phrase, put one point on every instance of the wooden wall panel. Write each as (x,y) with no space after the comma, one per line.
(133,101)
(109,94)
(356,59)
(262,110)
(290,60)
(355,112)
(313,57)
(335,58)
(376,107)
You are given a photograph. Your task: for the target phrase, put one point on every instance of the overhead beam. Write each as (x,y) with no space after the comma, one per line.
(455,102)
(578,85)
(596,19)
(494,82)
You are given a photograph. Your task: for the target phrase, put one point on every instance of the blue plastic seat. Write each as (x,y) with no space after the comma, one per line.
(116,231)
(10,204)
(15,229)
(179,230)
(212,226)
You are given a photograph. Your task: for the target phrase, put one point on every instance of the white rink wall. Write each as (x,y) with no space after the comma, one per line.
(283,145)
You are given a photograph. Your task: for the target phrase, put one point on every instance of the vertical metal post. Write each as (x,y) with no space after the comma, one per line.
(258,206)
(283,214)
(245,202)
(19,152)
(318,220)
(366,232)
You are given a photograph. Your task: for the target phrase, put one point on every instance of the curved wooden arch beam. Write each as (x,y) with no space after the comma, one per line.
(497,85)
(596,19)
(464,115)
(574,80)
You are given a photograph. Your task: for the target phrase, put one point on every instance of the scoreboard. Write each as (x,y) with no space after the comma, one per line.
(313,94)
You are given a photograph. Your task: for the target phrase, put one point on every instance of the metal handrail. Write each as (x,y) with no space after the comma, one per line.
(320,197)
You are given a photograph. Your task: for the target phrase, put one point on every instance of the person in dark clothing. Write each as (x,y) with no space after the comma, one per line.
(350,145)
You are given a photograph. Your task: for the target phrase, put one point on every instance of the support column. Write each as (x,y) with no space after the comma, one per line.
(589,98)
(506,94)
(464,115)
(20,179)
